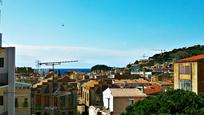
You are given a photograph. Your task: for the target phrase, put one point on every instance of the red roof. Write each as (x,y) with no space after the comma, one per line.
(155,88)
(194,58)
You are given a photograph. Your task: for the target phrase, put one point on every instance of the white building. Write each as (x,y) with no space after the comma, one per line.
(115,100)
(93,110)
(143,74)
(97,111)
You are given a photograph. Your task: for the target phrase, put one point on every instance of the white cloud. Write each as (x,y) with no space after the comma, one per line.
(87,56)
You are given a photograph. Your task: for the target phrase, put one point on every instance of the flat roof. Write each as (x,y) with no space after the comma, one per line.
(126,92)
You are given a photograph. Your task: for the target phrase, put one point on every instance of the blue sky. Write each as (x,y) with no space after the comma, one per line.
(112,32)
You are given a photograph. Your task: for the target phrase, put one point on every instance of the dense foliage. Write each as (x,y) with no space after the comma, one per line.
(172,102)
(24,70)
(100,68)
(176,54)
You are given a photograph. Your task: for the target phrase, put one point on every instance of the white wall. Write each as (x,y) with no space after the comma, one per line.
(142,73)
(106,95)
(93,110)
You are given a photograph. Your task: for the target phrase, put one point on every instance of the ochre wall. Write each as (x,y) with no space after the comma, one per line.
(176,76)
(195,77)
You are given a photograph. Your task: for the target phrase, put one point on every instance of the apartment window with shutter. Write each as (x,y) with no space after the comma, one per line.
(70,113)
(185,69)
(46,90)
(46,101)
(131,101)
(1,100)
(25,103)
(38,113)
(1,62)
(55,101)
(16,102)
(38,100)
(62,101)
(186,85)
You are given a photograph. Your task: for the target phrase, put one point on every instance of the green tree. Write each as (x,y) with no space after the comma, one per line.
(24,70)
(172,102)
(100,68)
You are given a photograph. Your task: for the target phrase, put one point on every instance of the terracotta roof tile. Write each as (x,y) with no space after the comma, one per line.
(155,88)
(142,81)
(194,58)
(90,84)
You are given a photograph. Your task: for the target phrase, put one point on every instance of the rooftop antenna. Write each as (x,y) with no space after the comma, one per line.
(161,50)
(144,56)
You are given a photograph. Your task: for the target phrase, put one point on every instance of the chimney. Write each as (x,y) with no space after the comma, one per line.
(0,39)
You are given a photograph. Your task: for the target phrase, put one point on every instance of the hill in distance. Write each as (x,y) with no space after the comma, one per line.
(175,54)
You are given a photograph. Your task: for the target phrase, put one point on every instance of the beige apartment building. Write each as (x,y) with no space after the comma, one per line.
(189,74)
(22,99)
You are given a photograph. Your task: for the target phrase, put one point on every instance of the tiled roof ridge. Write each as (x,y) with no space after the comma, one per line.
(193,58)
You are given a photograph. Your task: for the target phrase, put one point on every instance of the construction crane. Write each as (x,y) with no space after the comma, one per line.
(53,63)
(55,89)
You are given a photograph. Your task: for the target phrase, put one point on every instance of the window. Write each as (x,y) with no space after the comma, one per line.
(185,85)
(46,101)
(62,88)
(1,100)
(25,113)
(84,95)
(62,101)
(70,113)
(25,103)
(38,90)
(38,100)
(55,101)
(131,101)
(184,69)
(1,62)
(38,113)
(16,102)
(46,90)
(87,97)
(46,113)
(71,99)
